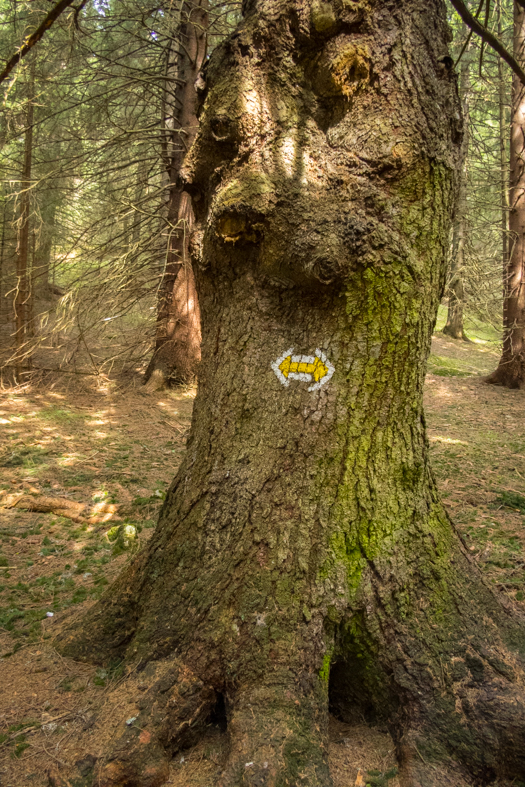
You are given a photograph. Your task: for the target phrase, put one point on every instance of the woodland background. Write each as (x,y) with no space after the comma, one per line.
(88,134)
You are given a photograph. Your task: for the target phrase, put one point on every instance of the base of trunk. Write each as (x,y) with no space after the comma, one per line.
(509,374)
(446,676)
(455,332)
(171,365)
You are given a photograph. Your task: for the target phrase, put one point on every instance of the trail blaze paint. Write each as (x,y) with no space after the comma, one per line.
(316,369)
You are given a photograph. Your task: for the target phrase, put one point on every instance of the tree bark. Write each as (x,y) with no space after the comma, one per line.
(511,367)
(178,333)
(456,291)
(23,300)
(302,561)
(45,246)
(2,250)
(504,157)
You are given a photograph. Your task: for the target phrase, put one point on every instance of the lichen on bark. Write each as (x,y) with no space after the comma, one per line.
(303,539)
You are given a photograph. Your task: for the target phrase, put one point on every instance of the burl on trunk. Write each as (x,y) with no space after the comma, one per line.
(302,560)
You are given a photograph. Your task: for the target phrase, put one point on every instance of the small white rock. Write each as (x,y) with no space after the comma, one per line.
(49,614)
(130,721)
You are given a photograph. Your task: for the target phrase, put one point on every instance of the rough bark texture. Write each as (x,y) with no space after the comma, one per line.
(503,154)
(511,368)
(455,290)
(302,559)
(178,333)
(23,300)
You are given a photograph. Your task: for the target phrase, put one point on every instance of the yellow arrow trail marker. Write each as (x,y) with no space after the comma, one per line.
(315,369)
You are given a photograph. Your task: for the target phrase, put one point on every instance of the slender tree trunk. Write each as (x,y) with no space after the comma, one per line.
(511,368)
(178,335)
(45,249)
(504,160)
(2,252)
(23,302)
(302,560)
(455,291)
(142,177)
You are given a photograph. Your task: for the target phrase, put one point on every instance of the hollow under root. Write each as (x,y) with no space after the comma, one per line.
(278,737)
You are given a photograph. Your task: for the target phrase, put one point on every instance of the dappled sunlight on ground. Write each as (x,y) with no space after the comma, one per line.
(117,450)
(449,440)
(477,439)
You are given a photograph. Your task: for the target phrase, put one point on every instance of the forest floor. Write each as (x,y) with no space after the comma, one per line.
(116,448)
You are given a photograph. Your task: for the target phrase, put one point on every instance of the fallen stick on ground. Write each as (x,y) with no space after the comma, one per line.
(82,513)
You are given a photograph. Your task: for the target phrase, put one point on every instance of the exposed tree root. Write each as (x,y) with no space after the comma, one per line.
(416,771)
(157,380)
(278,736)
(172,709)
(508,375)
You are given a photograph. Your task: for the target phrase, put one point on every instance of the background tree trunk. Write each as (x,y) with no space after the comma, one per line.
(3,250)
(45,246)
(511,368)
(302,560)
(23,299)
(504,156)
(455,290)
(178,337)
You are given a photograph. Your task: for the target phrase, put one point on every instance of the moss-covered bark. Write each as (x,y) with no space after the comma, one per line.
(302,558)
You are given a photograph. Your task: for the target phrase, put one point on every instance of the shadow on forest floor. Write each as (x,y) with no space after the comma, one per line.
(96,442)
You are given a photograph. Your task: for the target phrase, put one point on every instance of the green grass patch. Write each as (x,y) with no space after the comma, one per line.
(447,367)
(511,500)
(26,456)
(60,415)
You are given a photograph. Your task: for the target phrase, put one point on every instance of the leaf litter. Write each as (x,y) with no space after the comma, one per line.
(118,447)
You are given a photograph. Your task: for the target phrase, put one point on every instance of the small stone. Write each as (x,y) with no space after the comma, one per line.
(49,614)
(130,721)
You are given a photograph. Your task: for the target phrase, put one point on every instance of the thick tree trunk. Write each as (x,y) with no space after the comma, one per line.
(302,559)
(178,333)
(511,368)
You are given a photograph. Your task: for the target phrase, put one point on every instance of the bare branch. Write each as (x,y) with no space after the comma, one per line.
(35,37)
(488,37)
